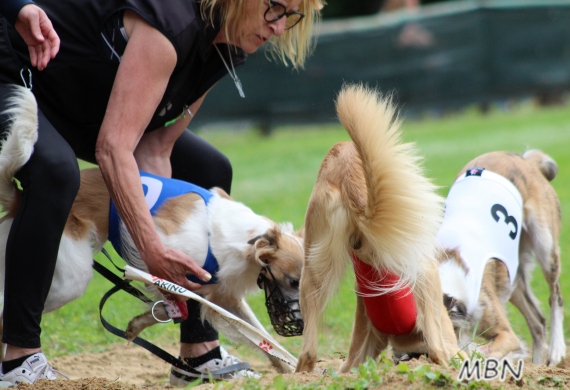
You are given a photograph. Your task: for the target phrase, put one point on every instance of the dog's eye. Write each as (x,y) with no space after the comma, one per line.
(294,283)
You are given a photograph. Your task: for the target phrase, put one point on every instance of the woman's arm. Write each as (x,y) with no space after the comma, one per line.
(155,148)
(142,77)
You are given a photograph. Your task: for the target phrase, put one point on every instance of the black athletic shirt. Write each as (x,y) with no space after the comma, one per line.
(74,89)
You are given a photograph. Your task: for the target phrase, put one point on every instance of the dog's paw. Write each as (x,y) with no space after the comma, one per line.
(306,362)
(556,355)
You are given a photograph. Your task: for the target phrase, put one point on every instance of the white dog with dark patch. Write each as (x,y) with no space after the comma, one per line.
(501,213)
(242,242)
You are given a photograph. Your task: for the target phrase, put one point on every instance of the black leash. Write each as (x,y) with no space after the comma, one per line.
(125,285)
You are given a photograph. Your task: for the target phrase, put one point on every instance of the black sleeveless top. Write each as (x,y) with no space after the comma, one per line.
(74,89)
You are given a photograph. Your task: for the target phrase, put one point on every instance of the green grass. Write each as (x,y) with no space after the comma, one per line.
(275,175)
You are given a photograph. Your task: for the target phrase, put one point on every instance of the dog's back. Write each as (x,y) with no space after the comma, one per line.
(528,172)
(531,174)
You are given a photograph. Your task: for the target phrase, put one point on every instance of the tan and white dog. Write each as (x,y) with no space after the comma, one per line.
(242,241)
(371,200)
(501,213)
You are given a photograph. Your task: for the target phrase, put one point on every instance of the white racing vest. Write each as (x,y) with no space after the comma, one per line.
(483,219)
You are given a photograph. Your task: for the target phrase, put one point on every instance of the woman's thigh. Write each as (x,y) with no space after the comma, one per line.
(196,161)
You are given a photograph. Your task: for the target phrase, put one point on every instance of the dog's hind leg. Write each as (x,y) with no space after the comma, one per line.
(366,341)
(557,347)
(545,242)
(524,300)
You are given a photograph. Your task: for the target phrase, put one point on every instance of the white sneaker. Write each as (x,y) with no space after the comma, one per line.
(227,368)
(35,367)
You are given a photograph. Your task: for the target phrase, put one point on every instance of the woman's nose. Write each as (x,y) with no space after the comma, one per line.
(278,26)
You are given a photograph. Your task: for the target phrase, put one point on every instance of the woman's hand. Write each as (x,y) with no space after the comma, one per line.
(37,31)
(173,265)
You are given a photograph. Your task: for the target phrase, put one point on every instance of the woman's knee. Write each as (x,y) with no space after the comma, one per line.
(222,172)
(196,161)
(52,170)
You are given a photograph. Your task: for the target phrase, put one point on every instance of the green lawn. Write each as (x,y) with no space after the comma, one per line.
(275,175)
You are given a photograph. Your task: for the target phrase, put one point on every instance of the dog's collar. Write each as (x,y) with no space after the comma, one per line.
(157,190)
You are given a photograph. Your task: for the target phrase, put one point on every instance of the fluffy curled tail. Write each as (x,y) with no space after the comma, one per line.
(545,164)
(403,211)
(18,143)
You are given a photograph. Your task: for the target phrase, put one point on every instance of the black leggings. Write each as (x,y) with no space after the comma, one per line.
(50,181)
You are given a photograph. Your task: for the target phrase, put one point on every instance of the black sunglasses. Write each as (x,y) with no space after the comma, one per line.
(276,11)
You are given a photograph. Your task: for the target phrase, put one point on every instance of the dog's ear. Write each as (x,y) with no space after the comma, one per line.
(301,233)
(264,247)
(444,254)
(450,253)
(454,255)
(449,302)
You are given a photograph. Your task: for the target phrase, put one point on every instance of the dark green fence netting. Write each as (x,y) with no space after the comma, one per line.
(442,56)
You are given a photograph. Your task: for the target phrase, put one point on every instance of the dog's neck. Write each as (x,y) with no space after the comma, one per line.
(232,225)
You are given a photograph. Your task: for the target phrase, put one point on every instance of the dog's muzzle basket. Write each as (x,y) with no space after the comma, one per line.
(285,314)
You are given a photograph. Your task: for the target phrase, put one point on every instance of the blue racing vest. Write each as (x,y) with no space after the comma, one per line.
(157,190)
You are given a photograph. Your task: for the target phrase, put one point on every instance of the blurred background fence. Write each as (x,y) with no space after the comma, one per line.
(435,57)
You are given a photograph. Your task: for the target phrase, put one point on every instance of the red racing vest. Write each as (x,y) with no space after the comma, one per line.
(393,313)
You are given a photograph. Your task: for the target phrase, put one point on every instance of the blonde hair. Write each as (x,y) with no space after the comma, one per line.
(294,46)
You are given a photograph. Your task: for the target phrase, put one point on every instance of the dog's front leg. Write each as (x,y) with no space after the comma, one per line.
(143,321)
(433,320)
(366,342)
(311,303)
(494,323)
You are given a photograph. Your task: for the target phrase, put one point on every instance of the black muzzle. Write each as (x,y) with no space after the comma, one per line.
(285,314)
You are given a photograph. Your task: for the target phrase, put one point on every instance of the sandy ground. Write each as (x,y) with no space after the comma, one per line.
(128,366)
